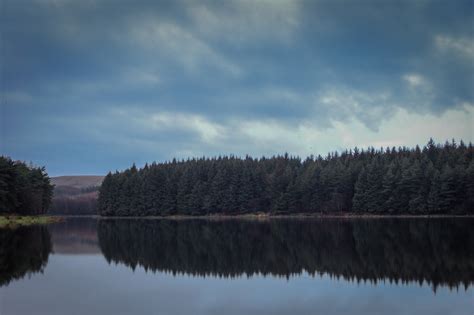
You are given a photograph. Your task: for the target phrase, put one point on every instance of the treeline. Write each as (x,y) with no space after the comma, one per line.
(436,251)
(24,189)
(435,179)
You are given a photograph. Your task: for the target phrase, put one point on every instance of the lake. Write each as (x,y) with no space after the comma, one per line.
(239,266)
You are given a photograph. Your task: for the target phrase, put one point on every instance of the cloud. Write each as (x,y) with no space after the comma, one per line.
(273,136)
(148,80)
(240,22)
(208,131)
(341,104)
(460,45)
(414,80)
(171,41)
(406,128)
(402,128)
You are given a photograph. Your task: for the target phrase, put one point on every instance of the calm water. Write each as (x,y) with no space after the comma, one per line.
(281,266)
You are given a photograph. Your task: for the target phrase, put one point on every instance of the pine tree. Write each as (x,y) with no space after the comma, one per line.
(433,201)
(359,203)
(447,192)
(389,190)
(469,181)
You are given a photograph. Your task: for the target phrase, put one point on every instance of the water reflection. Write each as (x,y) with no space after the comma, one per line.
(436,251)
(439,252)
(77,236)
(23,250)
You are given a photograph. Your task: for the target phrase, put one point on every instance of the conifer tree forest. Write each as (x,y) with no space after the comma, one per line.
(435,179)
(24,189)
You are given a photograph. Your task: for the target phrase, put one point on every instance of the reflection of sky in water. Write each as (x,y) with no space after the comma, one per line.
(87,284)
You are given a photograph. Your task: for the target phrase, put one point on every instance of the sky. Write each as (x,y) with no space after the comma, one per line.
(91,86)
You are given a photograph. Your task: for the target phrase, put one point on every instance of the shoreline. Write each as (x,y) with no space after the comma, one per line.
(275,216)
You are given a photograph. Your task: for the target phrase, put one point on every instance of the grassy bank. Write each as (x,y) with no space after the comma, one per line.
(14,220)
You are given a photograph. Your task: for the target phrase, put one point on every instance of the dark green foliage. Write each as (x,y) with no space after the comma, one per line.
(433,180)
(23,189)
(438,251)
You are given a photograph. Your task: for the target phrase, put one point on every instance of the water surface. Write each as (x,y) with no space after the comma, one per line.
(278,266)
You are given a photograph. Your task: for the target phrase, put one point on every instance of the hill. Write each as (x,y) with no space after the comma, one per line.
(75,195)
(78,181)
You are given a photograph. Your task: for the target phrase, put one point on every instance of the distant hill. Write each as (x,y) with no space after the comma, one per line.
(78,181)
(75,195)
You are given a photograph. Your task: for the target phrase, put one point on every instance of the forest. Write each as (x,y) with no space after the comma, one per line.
(24,189)
(437,251)
(435,179)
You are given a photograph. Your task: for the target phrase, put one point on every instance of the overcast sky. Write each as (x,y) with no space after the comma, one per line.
(92,86)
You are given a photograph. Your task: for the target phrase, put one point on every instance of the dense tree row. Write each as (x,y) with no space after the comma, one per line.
(436,179)
(24,189)
(437,251)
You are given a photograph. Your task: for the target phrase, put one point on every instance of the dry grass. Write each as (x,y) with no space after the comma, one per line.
(13,221)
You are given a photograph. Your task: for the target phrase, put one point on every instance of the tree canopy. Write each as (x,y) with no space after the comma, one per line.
(435,179)
(24,189)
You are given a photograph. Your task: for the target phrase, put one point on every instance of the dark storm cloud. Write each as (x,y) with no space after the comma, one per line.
(90,74)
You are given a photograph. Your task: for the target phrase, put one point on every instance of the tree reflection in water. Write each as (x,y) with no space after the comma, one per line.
(439,252)
(23,250)
(436,251)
